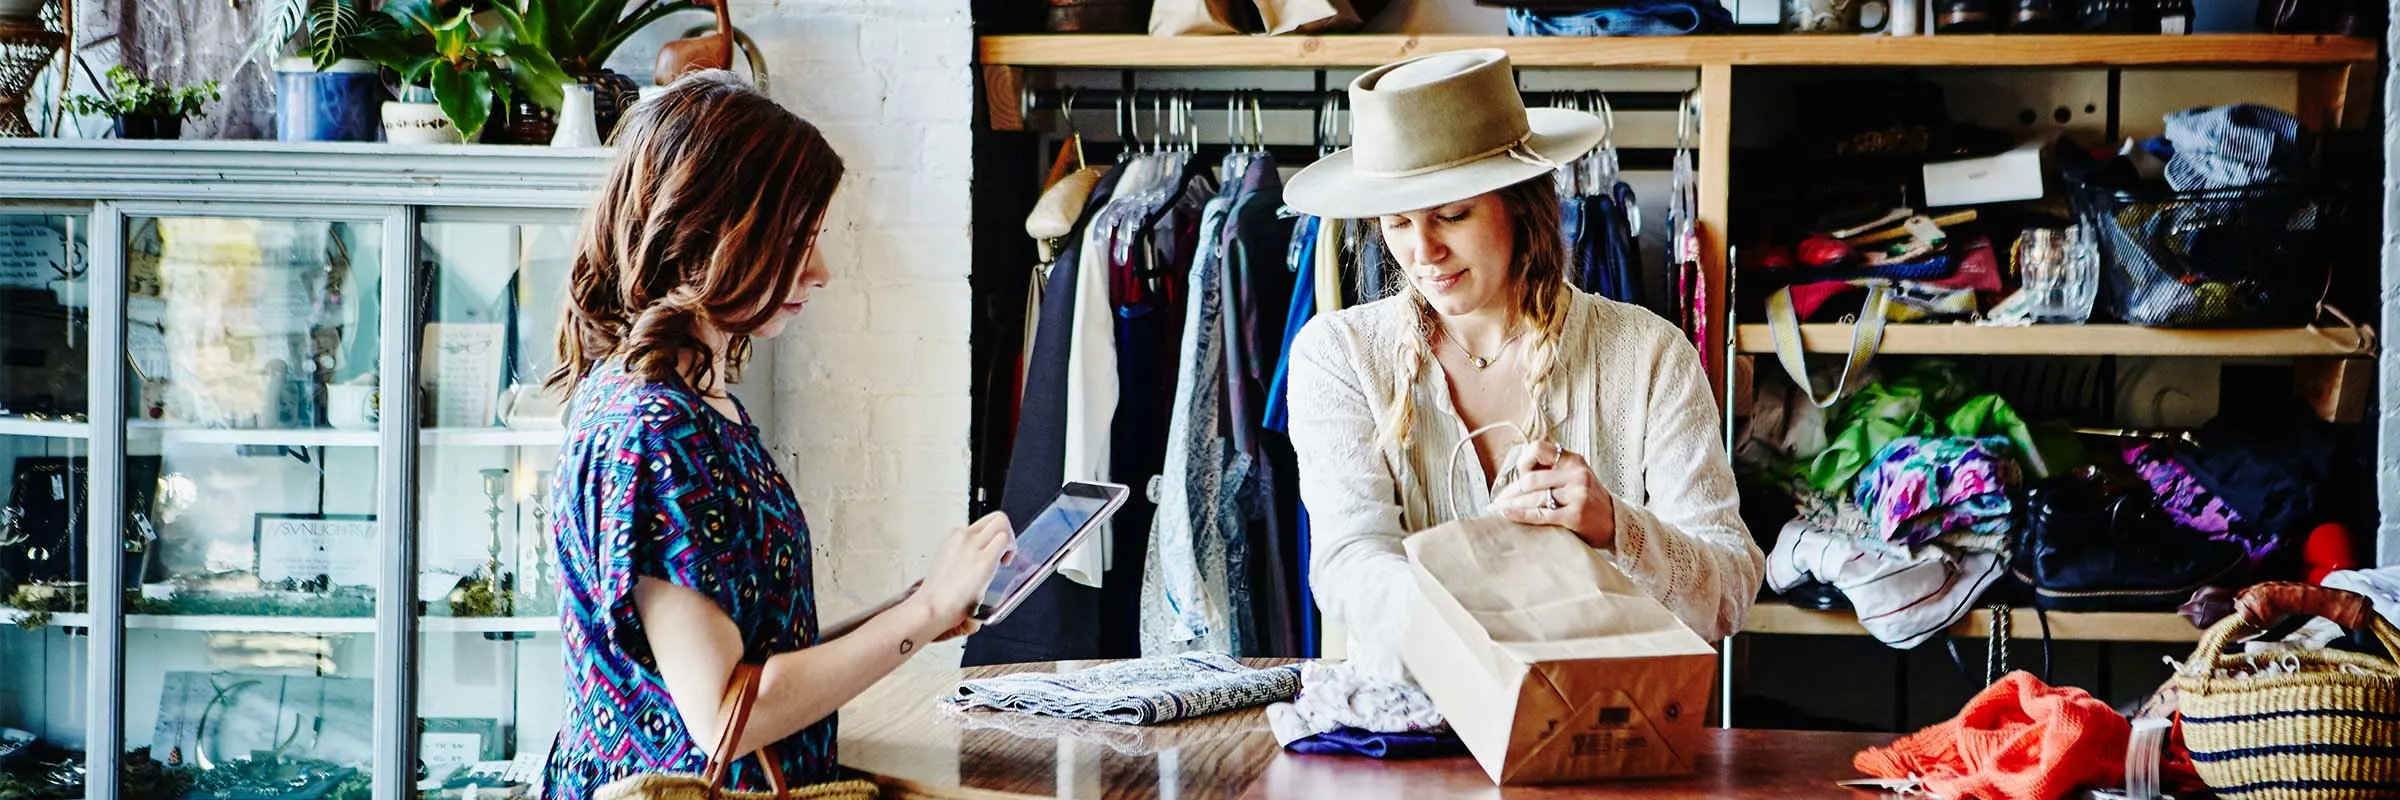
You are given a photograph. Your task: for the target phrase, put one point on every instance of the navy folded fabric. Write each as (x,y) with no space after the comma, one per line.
(1355,742)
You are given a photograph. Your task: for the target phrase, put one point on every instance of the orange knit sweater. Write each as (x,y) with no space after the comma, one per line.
(2019,739)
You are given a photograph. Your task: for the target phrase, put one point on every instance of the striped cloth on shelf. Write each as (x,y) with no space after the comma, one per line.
(1145,691)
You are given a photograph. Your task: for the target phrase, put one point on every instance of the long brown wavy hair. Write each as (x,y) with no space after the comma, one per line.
(708,215)
(1538,290)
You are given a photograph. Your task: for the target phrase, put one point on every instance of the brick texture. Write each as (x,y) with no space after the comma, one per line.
(870,411)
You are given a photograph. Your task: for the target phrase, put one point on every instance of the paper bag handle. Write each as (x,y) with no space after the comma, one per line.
(741,692)
(1450,470)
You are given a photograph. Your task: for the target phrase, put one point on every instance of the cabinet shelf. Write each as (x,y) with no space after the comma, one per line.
(2066,626)
(493,437)
(44,429)
(2066,50)
(267,624)
(289,437)
(2066,340)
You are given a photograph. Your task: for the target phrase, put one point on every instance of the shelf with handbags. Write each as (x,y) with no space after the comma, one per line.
(1102,51)
(321,436)
(1921,492)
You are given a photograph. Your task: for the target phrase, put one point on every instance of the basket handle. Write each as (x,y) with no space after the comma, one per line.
(741,692)
(2261,606)
(2268,603)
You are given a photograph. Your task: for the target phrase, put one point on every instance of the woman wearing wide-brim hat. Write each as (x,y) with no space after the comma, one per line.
(1601,421)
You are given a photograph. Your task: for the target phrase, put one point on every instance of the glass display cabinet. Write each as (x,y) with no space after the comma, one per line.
(276,450)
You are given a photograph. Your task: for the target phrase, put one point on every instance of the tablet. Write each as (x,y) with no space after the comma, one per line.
(1071,517)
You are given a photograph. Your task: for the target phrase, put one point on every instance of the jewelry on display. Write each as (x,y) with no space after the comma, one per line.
(1552,495)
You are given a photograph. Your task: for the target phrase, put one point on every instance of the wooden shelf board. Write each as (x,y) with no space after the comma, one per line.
(44,429)
(2065,340)
(2066,50)
(2066,626)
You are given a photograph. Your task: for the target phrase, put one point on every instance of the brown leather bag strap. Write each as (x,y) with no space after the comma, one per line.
(741,694)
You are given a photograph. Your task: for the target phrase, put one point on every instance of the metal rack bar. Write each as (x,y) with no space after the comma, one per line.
(1031,100)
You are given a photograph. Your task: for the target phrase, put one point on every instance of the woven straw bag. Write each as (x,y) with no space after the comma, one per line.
(740,695)
(2328,731)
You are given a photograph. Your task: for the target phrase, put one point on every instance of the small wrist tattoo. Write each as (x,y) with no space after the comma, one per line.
(907,645)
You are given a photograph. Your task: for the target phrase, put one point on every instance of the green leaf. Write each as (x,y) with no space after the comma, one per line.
(416,13)
(538,74)
(594,23)
(608,45)
(465,97)
(331,23)
(277,27)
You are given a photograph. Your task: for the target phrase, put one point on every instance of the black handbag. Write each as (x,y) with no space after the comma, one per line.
(42,530)
(2090,544)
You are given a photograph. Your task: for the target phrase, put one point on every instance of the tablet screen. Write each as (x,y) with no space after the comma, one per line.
(1041,542)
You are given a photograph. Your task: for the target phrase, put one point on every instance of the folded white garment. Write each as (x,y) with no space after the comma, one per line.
(1338,695)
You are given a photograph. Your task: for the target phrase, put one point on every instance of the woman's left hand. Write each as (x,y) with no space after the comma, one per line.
(1556,487)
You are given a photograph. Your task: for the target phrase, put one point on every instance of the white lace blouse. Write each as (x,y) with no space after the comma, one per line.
(1628,395)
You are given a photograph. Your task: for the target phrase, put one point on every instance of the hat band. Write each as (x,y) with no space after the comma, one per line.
(1515,149)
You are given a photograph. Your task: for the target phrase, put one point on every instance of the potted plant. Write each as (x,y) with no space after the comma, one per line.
(578,36)
(142,108)
(330,91)
(452,72)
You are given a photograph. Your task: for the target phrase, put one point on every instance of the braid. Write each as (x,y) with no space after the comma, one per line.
(1410,353)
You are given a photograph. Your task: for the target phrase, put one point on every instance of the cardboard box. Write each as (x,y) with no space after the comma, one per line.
(1550,663)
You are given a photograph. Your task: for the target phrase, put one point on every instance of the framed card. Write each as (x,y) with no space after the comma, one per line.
(446,744)
(301,547)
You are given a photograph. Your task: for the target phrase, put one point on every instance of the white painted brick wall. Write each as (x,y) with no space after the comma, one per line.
(870,406)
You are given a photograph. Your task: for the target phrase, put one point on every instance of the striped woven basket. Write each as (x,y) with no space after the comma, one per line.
(2329,731)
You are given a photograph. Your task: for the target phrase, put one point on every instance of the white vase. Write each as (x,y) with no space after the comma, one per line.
(418,123)
(577,126)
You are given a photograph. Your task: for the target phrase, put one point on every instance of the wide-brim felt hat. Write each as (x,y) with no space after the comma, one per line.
(1436,129)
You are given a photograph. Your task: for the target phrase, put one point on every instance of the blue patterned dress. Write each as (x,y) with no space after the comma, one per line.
(652,482)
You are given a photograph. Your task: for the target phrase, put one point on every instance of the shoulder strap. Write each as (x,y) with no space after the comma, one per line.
(1866,336)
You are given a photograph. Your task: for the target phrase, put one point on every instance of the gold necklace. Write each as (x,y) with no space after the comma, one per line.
(1481,363)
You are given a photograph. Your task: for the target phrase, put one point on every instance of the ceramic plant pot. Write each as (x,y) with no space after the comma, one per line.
(149,126)
(418,123)
(340,104)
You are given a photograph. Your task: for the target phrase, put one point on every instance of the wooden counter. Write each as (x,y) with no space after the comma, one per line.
(900,733)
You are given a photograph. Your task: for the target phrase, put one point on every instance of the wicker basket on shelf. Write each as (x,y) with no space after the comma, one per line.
(2328,730)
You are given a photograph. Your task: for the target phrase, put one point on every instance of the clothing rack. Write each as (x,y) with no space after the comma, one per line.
(1141,113)
(1032,100)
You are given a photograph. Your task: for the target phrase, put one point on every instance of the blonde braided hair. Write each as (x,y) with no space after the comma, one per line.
(1538,289)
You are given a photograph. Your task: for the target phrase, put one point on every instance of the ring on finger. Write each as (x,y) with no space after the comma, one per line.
(1550,498)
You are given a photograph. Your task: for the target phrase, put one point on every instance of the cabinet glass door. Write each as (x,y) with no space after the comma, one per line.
(489,673)
(252,351)
(44,455)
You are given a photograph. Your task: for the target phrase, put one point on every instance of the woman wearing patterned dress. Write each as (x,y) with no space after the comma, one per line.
(1599,408)
(682,549)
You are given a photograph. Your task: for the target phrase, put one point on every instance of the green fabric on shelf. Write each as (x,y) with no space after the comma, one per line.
(1931,398)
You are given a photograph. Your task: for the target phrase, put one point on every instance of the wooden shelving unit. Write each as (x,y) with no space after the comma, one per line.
(2334,91)
(2068,340)
(1267,52)
(2065,626)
